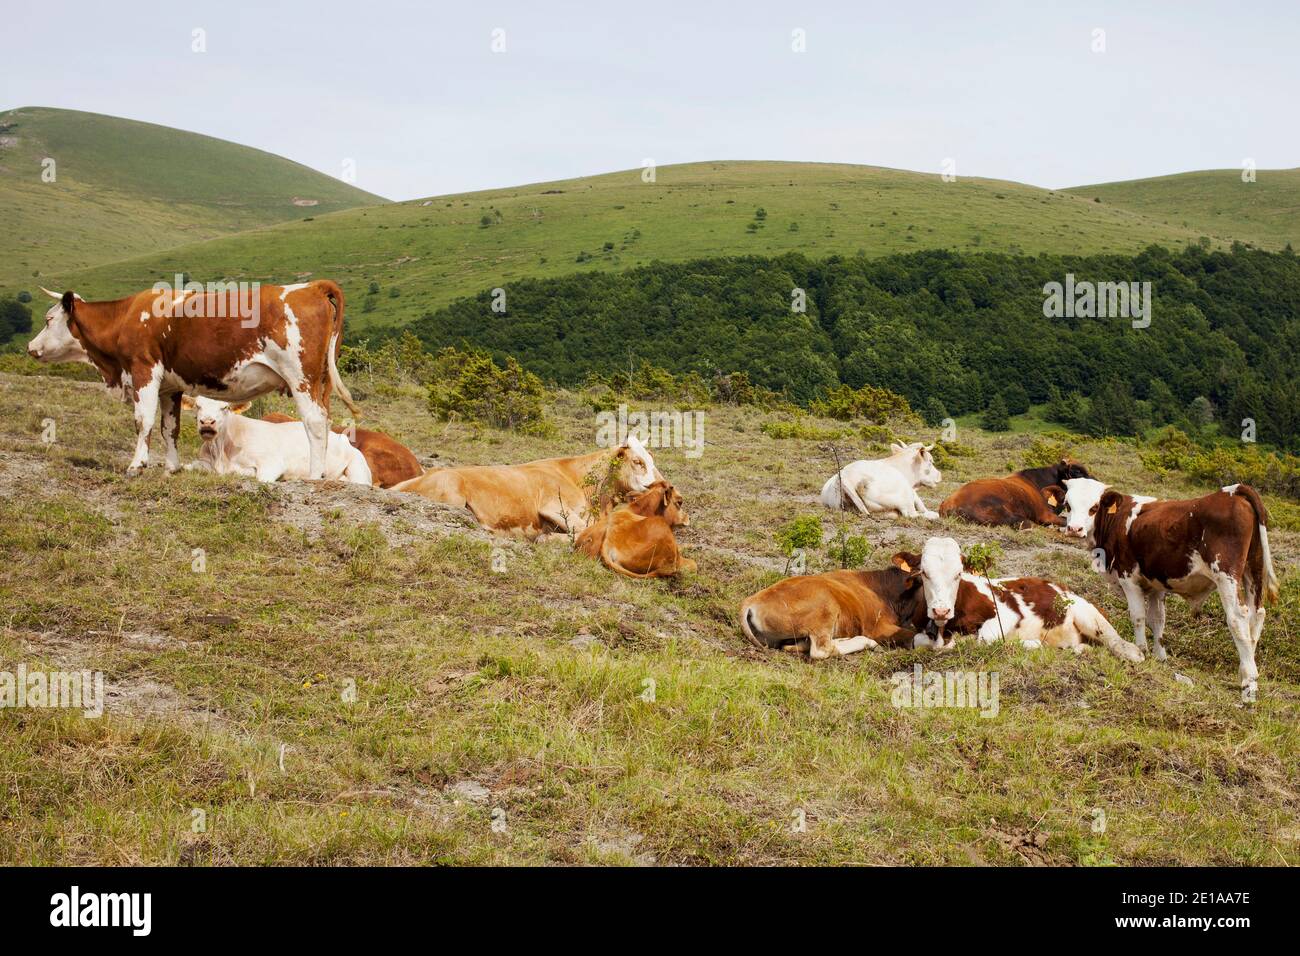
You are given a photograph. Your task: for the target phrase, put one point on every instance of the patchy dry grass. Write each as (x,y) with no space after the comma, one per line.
(600,720)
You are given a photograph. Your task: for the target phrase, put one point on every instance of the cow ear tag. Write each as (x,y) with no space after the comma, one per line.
(1051,500)
(1112,509)
(905,566)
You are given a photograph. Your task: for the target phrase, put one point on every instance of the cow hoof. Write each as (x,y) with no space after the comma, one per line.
(932,516)
(135,471)
(1031,645)
(1160,653)
(1250,693)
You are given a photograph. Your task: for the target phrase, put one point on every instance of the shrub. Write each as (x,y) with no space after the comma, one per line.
(800,427)
(470,386)
(995,417)
(15,319)
(876,405)
(800,534)
(1268,471)
(1047,450)
(934,411)
(850,550)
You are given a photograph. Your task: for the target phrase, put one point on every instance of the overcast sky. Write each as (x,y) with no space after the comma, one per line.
(415,95)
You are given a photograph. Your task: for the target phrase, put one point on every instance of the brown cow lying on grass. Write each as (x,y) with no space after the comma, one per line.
(1026,498)
(551,496)
(390,461)
(637,539)
(841,612)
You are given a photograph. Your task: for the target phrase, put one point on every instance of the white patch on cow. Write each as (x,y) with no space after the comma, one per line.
(144,316)
(146,411)
(1139,502)
(941,571)
(292,288)
(643,470)
(1081,496)
(55,341)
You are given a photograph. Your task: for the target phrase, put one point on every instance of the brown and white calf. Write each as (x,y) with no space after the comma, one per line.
(1148,548)
(1032,610)
(230,345)
(841,612)
(1020,500)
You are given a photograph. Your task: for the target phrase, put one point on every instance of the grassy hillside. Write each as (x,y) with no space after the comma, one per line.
(524,697)
(123,188)
(1214,202)
(430,252)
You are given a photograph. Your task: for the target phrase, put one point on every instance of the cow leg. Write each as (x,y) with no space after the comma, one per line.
(852,494)
(922,510)
(1137,611)
(1240,618)
(1156,618)
(316,421)
(851,645)
(1257,627)
(146,412)
(171,430)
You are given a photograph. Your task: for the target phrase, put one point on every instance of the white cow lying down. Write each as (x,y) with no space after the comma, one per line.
(886,484)
(268,451)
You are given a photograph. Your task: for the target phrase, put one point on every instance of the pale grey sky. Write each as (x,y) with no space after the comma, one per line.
(414,94)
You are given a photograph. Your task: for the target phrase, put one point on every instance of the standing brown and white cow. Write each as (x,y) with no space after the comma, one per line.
(1149,547)
(231,345)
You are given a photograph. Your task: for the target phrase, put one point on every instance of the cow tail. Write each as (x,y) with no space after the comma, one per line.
(1269,589)
(750,627)
(335,296)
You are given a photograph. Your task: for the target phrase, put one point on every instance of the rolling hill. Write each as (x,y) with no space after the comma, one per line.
(1214,202)
(426,253)
(122,188)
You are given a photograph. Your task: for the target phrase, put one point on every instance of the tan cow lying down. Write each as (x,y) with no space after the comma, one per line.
(841,612)
(390,461)
(637,539)
(551,496)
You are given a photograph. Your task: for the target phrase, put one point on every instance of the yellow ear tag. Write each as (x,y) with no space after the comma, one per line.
(905,566)
(1051,500)
(1112,509)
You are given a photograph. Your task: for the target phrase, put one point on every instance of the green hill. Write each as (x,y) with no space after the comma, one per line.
(425,253)
(122,188)
(1214,202)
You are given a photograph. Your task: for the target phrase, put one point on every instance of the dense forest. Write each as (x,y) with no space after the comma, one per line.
(951,332)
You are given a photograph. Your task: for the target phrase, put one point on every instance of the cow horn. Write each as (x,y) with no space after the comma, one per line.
(58,296)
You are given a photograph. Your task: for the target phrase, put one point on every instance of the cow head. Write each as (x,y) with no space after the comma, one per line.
(1054,496)
(916,461)
(1068,468)
(635,467)
(1082,497)
(664,500)
(55,342)
(212,415)
(938,568)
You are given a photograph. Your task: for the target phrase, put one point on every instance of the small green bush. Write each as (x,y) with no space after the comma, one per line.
(472,387)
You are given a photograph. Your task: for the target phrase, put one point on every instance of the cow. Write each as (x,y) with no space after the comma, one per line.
(1033,610)
(841,612)
(885,484)
(390,461)
(267,451)
(636,540)
(1148,548)
(1022,500)
(232,345)
(542,498)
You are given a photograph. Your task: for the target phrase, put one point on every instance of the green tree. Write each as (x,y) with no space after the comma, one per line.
(996,417)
